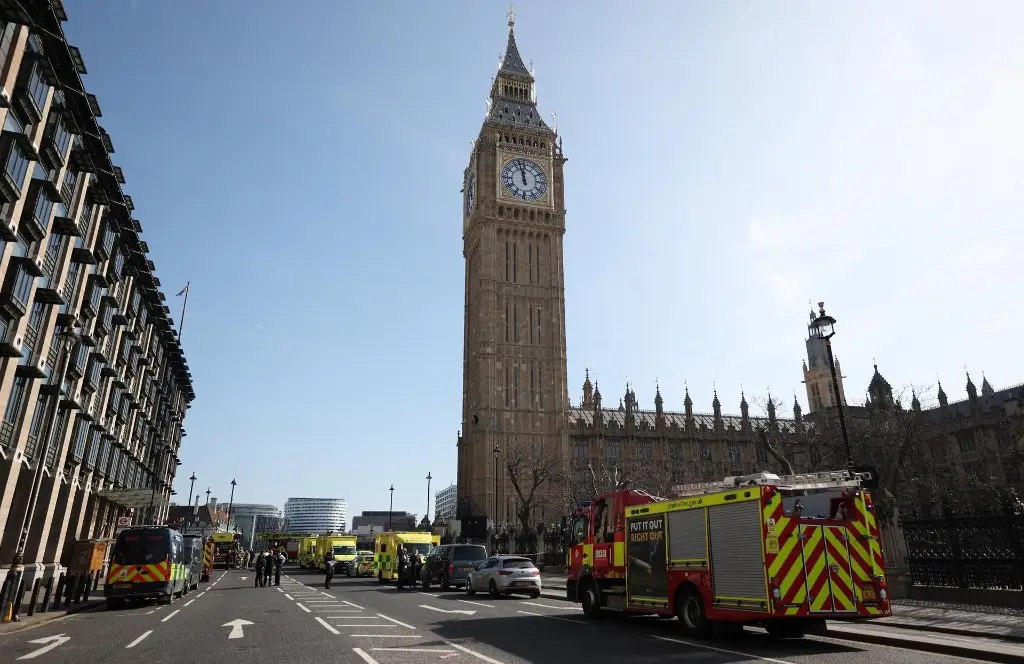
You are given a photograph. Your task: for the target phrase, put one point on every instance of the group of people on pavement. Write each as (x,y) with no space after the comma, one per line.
(269,563)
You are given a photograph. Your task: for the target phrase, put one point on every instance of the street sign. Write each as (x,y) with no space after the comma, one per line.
(123,521)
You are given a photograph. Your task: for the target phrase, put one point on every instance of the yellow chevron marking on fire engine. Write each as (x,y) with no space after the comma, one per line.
(619,554)
(841,582)
(816,569)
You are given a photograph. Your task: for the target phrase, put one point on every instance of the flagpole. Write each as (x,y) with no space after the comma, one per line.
(181,323)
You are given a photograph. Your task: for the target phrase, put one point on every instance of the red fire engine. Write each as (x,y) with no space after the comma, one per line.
(784,553)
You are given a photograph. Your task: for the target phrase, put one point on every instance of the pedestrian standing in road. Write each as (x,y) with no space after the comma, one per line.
(259,571)
(278,562)
(268,567)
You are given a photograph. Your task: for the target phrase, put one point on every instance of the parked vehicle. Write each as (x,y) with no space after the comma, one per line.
(450,564)
(362,565)
(505,575)
(147,562)
(385,561)
(193,561)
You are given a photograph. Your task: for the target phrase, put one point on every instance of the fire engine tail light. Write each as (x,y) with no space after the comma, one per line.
(451,568)
(776,593)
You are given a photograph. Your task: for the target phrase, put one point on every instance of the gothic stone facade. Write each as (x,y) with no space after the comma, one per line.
(71,257)
(514,363)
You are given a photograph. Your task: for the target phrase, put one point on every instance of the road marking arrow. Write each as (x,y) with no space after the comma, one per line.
(48,643)
(434,608)
(236,628)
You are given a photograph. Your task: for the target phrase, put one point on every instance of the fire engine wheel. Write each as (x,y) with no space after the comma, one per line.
(690,610)
(589,600)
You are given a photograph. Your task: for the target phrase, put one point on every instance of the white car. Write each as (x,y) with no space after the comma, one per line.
(504,575)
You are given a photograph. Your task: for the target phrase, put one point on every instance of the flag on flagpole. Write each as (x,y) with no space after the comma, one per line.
(183,290)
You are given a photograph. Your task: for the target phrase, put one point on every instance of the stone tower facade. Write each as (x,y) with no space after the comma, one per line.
(514,363)
(817,374)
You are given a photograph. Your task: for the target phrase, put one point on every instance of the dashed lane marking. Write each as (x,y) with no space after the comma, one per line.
(190,601)
(386,636)
(170,615)
(397,622)
(302,607)
(364,656)
(480,656)
(541,615)
(549,606)
(722,650)
(327,626)
(289,597)
(139,640)
(441,651)
(489,606)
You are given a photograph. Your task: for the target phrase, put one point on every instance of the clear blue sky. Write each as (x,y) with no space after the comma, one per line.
(728,161)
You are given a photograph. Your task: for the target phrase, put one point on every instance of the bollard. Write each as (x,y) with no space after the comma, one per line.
(69,590)
(45,606)
(86,586)
(35,597)
(61,582)
(79,582)
(16,611)
(96,580)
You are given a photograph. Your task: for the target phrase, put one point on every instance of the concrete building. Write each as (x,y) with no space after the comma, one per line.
(316,515)
(246,517)
(379,520)
(445,501)
(514,376)
(93,382)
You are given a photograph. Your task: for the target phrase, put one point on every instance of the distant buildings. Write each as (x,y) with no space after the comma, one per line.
(379,520)
(316,515)
(255,517)
(444,503)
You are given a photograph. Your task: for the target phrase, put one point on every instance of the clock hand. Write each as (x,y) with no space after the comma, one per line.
(522,172)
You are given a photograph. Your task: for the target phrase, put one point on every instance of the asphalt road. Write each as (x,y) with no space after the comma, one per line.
(364,622)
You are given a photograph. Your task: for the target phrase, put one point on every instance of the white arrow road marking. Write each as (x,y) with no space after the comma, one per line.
(48,643)
(236,628)
(138,640)
(434,608)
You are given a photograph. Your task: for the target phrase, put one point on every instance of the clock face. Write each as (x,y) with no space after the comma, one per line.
(524,179)
(470,195)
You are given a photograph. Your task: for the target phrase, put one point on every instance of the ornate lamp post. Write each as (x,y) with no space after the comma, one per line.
(231,501)
(427,514)
(825,326)
(191,486)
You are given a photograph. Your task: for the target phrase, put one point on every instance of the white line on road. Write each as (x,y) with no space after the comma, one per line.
(387,636)
(354,606)
(170,615)
(280,590)
(723,650)
(489,606)
(397,622)
(474,653)
(289,597)
(437,650)
(200,594)
(548,606)
(138,640)
(302,607)
(365,657)
(541,615)
(328,594)
(327,625)
(365,625)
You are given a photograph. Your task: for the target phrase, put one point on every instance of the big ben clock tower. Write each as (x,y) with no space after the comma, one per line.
(514,372)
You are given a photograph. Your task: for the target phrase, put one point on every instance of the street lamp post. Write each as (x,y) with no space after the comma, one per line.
(427,515)
(825,326)
(391,506)
(231,501)
(191,486)
(497,455)
(70,336)
(208,492)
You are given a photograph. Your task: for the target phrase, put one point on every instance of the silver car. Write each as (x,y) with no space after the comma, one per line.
(504,575)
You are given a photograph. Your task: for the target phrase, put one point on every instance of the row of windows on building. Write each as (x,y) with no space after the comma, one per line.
(523,262)
(524,385)
(523,322)
(674,451)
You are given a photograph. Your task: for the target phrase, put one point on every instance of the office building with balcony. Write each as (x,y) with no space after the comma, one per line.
(93,383)
(445,502)
(316,515)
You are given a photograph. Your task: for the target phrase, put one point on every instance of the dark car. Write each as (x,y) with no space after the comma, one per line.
(450,564)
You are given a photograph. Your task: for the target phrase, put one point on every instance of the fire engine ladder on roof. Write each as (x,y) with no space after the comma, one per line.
(837,479)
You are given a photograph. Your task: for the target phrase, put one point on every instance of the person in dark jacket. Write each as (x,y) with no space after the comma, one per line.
(278,562)
(268,567)
(260,560)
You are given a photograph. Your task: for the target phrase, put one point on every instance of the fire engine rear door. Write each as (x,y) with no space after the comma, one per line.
(826,560)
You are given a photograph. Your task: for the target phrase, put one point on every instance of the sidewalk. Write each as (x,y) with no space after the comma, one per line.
(975,621)
(27,622)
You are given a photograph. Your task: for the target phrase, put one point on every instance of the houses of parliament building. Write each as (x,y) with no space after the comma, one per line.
(515,383)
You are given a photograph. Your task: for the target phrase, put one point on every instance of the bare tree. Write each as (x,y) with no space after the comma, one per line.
(534,470)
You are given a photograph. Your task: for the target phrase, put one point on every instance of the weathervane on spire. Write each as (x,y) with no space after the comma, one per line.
(511,15)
